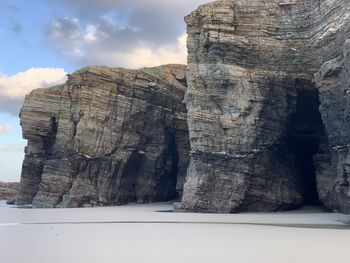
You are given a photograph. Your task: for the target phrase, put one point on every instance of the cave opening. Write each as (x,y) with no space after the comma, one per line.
(167,184)
(305,136)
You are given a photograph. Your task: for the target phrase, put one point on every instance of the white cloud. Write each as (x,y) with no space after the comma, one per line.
(91,34)
(123,33)
(142,56)
(5,128)
(17,86)
(14,88)
(65,30)
(146,57)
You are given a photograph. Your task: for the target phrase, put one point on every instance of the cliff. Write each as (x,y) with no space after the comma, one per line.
(265,126)
(333,167)
(268,106)
(108,136)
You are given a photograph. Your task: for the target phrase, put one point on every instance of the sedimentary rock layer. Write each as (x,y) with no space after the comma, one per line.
(267,112)
(333,167)
(249,64)
(8,191)
(108,136)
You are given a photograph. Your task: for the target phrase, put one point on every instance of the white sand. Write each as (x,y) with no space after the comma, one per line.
(136,233)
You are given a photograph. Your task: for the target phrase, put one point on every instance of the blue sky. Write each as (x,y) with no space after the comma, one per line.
(43,40)
(22,42)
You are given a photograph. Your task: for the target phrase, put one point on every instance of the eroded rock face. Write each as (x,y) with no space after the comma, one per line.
(108,136)
(333,167)
(267,113)
(8,191)
(250,62)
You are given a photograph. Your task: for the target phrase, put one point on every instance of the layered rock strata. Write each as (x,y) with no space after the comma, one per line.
(8,191)
(251,66)
(333,168)
(267,113)
(107,136)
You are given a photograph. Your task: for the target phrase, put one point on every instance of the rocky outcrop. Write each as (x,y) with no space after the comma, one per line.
(108,136)
(8,191)
(333,167)
(267,118)
(252,103)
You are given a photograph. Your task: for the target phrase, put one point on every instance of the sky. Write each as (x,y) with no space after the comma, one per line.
(41,41)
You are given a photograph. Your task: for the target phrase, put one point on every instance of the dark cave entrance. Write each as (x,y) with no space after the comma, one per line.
(304,140)
(167,183)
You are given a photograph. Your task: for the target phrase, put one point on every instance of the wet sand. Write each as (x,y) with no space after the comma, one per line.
(140,233)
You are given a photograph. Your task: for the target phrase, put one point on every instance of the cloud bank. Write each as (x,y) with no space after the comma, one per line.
(14,88)
(122,33)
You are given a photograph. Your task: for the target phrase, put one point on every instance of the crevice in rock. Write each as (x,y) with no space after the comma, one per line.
(171,159)
(49,140)
(305,134)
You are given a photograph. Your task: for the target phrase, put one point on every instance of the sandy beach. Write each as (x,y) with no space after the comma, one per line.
(149,233)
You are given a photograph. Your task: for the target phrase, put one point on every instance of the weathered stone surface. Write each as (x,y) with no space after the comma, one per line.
(251,65)
(333,166)
(267,112)
(108,136)
(8,191)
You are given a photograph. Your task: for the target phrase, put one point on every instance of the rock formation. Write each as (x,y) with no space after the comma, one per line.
(256,69)
(108,136)
(268,117)
(8,191)
(333,167)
